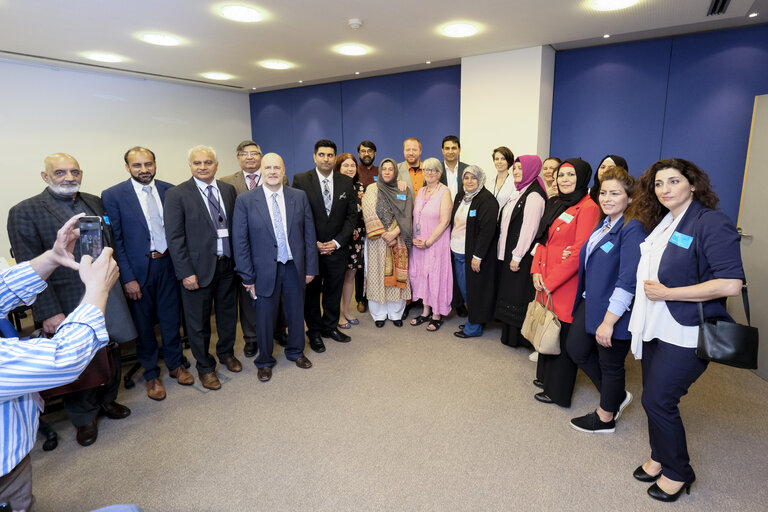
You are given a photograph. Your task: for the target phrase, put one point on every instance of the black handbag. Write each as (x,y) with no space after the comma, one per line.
(726,342)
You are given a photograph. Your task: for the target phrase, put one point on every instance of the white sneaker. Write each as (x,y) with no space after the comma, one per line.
(624,404)
(534,357)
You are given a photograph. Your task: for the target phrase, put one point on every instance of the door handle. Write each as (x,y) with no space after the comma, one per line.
(742,234)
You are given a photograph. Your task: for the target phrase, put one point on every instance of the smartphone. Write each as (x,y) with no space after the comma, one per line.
(90,236)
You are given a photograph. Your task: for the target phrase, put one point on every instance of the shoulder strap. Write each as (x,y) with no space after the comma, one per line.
(744,294)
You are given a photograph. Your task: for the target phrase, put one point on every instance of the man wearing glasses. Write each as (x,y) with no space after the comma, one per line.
(367,173)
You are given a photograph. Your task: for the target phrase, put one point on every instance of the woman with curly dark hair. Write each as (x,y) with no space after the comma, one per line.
(691,255)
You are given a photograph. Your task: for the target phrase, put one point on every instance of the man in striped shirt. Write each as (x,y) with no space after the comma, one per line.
(29,366)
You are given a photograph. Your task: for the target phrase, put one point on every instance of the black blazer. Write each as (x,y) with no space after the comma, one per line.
(190,232)
(343,218)
(459,171)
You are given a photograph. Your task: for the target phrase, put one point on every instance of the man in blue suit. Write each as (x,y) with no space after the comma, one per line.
(275,249)
(146,269)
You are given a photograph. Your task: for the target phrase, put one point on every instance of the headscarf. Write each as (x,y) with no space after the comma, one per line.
(561,202)
(531,165)
(594,192)
(389,207)
(478,173)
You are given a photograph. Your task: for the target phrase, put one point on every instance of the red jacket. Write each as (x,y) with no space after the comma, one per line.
(560,276)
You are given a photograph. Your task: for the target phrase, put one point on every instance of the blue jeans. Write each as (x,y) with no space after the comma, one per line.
(470,329)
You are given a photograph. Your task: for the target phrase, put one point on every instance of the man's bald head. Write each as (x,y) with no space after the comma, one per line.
(272,171)
(62,174)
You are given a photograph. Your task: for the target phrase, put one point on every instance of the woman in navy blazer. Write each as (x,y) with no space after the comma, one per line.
(598,340)
(691,255)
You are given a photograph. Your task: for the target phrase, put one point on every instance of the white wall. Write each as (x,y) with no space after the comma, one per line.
(96,117)
(506,100)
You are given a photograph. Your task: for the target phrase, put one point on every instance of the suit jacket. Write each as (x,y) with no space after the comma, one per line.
(460,171)
(237,180)
(131,235)
(255,244)
(612,264)
(32,228)
(190,232)
(571,229)
(343,217)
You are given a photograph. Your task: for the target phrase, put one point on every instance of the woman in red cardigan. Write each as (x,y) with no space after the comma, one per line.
(571,217)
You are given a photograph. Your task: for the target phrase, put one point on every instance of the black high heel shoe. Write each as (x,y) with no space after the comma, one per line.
(641,475)
(656,493)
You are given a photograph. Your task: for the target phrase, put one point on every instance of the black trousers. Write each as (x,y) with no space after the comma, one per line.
(329,283)
(218,296)
(360,285)
(603,365)
(558,373)
(83,406)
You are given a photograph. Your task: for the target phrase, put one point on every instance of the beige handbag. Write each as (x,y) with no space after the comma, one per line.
(541,327)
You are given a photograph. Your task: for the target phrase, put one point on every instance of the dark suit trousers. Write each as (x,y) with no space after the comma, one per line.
(248,316)
(290,286)
(668,372)
(220,296)
(159,301)
(558,373)
(603,365)
(83,406)
(329,283)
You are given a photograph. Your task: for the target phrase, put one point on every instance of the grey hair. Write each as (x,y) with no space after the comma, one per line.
(201,147)
(433,164)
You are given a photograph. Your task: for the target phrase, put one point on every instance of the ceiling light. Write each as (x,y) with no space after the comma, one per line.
(103,57)
(459,30)
(752,14)
(429,62)
(160,39)
(357,72)
(275,64)
(301,81)
(612,5)
(606,36)
(241,13)
(351,49)
(214,75)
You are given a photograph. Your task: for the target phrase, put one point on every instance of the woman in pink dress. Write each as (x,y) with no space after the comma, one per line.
(430,272)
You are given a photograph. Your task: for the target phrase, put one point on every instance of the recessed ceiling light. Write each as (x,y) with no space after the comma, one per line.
(429,62)
(275,64)
(351,49)
(103,57)
(752,14)
(606,36)
(301,81)
(241,13)
(459,30)
(357,72)
(215,75)
(612,5)
(160,39)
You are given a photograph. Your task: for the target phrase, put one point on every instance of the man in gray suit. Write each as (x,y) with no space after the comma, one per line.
(198,223)
(276,255)
(32,228)
(452,167)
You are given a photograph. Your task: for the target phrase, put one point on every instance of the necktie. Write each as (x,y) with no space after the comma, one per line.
(327,197)
(252,181)
(217,215)
(282,244)
(155,221)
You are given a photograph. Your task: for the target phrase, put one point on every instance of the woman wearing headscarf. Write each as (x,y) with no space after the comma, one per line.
(608,162)
(473,241)
(387,213)
(569,219)
(692,255)
(503,186)
(520,217)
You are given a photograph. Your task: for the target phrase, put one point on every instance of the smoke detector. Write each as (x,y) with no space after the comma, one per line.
(355,23)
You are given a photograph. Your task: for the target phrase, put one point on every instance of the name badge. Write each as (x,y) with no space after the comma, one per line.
(106,220)
(375,178)
(222,233)
(473,213)
(566,217)
(606,247)
(401,197)
(681,240)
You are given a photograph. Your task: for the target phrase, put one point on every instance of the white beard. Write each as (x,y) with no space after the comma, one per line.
(64,189)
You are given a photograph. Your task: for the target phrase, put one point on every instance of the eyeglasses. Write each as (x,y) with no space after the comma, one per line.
(249,153)
(366,151)
(430,171)
(60,173)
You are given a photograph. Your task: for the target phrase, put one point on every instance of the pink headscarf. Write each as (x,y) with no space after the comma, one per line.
(531,165)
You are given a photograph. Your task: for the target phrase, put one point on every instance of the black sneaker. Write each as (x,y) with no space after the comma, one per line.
(592,424)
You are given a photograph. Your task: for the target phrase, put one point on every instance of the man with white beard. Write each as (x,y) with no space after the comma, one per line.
(32,228)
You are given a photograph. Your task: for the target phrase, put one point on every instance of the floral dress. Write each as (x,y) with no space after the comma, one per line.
(357,241)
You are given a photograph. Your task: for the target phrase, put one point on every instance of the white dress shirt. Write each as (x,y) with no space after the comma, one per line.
(139,189)
(203,188)
(452,178)
(248,180)
(281,203)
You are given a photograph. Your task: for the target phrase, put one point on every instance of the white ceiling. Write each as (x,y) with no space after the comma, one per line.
(403,33)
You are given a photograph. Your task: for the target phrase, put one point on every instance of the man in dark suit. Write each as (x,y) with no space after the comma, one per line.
(452,167)
(32,228)
(332,198)
(146,270)
(198,223)
(281,216)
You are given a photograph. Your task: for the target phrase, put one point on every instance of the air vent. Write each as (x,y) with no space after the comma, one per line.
(718,7)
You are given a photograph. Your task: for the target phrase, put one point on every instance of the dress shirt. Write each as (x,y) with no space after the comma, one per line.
(138,188)
(281,203)
(203,188)
(532,213)
(621,299)
(330,187)
(29,366)
(451,176)
(248,180)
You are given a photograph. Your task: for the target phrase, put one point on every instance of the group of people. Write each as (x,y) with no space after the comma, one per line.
(621,263)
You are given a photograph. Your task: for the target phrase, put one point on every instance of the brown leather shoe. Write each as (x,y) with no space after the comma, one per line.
(182,376)
(265,373)
(303,362)
(155,389)
(232,364)
(87,434)
(209,380)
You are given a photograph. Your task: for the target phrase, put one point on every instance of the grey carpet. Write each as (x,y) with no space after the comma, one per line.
(401,419)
